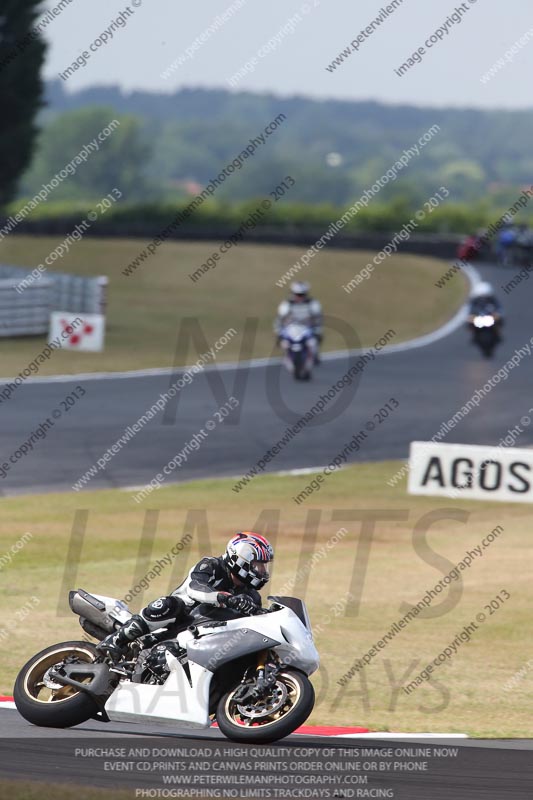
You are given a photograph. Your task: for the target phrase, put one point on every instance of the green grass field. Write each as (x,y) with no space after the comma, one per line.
(145,310)
(22,790)
(466,694)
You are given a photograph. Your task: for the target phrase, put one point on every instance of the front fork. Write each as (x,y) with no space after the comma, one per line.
(260,669)
(259,684)
(266,671)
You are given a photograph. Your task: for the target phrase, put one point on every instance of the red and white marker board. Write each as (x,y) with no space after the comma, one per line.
(78,331)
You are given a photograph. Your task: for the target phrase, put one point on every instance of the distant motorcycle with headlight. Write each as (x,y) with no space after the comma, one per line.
(485,331)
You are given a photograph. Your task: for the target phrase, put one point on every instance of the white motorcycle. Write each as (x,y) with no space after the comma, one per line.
(299,345)
(248,673)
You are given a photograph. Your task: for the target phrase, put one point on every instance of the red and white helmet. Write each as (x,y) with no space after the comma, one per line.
(247,555)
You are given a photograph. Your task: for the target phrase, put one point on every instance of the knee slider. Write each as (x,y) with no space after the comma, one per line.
(164,609)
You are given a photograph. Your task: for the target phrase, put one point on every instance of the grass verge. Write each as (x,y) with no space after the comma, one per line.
(28,790)
(146,309)
(392,566)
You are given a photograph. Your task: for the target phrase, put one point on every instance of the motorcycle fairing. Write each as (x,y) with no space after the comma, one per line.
(177,701)
(215,649)
(171,702)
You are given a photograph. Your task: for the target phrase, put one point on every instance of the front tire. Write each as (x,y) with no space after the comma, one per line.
(487,343)
(302,371)
(288,706)
(52,705)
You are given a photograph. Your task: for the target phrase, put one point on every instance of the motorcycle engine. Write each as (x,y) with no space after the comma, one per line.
(156,661)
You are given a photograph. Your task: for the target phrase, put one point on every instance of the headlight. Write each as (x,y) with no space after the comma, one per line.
(485,321)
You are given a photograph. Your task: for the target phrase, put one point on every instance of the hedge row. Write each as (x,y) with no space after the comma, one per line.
(152,218)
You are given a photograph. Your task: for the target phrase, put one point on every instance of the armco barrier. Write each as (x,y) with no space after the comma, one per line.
(26,312)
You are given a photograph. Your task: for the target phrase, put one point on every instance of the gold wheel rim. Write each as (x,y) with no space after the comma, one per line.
(294,693)
(34,685)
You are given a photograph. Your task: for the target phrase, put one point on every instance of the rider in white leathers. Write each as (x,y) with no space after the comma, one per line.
(302,309)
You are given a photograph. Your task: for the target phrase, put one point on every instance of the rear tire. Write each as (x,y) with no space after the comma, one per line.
(291,713)
(62,707)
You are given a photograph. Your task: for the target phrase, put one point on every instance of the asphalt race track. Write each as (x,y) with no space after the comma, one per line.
(488,770)
(430,384)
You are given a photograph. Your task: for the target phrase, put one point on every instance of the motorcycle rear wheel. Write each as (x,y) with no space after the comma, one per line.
(287,707)
(53,706)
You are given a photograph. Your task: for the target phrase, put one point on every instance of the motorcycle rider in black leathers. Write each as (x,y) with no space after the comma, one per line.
(484,301)
(229,581)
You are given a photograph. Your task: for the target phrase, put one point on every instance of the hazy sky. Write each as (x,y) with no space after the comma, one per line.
(159,31)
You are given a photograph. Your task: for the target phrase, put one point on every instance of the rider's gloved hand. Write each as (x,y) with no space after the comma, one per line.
(240,603)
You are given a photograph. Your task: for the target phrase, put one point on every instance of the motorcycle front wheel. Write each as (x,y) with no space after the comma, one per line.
(301,369)
(487,343)
(287,706)
(43,702)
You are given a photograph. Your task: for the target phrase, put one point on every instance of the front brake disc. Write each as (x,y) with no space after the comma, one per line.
(264,708)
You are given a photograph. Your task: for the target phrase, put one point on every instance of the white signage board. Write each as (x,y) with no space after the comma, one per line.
(73,331)
(471,472)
